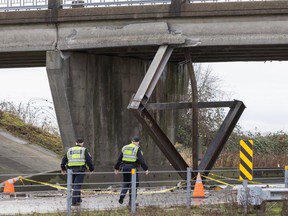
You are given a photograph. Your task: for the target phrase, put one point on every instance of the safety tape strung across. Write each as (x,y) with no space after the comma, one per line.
(144,192)
(43,183)
(216,180)
(224,177)
(100,192)
(162,191)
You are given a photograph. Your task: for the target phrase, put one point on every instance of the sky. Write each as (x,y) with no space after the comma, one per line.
(262,86)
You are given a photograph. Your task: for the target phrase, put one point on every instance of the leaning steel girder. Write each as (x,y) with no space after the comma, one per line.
(195,111)
(222,136)
(152,76)
(161,140)
(139,106)
(141,98)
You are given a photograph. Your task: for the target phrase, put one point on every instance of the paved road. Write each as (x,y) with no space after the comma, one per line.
(57,203)
(19,157)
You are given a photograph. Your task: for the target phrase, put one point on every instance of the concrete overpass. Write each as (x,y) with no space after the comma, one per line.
(236,31)
(96,58)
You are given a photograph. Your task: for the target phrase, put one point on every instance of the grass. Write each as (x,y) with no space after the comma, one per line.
(30,133)
(273,208)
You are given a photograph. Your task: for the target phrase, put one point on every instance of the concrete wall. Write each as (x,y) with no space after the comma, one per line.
(211,32)
(91,94)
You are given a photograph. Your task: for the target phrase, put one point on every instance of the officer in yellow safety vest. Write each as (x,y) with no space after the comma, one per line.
(78,159)
(130,158)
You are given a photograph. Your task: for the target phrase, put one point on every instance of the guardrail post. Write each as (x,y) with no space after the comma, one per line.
(69,191)
(54,4)
(245,186)
(286,176)
(188,192)
(133,191)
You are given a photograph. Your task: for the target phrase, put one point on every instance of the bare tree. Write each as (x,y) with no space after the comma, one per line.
(209,119)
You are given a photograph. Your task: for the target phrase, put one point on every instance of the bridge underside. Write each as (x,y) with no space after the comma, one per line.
(198,54)
(96,59)
(91,93)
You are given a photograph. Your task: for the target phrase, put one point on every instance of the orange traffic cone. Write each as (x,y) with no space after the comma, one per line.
(198,188)
(9,186)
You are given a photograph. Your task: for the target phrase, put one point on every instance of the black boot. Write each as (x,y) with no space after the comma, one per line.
(121,199)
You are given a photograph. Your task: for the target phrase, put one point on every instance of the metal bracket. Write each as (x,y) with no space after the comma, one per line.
(138,105)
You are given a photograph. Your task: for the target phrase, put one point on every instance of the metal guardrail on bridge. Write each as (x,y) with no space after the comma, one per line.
(17,5)
(20,5)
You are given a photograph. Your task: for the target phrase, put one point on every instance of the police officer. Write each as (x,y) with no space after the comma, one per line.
(130,158)
(78,159)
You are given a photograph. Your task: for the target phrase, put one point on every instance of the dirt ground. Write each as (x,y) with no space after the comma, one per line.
(57,202)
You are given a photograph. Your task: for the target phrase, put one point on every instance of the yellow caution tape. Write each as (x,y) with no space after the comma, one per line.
(161,191)
(216,180)
(145,192)
(43,183)
(107,192)
(99,192)
(21,180)
(252,182)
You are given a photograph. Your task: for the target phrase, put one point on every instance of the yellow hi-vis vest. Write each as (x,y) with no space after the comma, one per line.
(76,156)
(130,153)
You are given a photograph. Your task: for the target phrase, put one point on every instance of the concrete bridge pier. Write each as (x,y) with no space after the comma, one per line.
(91,94)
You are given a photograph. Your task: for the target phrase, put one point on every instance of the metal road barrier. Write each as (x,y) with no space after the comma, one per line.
(110,3)
(22,5)
(173,191)
(16,5)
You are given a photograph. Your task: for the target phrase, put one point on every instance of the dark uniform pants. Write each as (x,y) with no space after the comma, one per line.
(77,180)
(126,168)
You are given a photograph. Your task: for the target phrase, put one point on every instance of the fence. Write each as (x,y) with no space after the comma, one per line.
(104,191)
(7,5)
(17,5)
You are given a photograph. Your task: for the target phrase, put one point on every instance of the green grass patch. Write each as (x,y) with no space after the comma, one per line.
(30,133)
(273,208)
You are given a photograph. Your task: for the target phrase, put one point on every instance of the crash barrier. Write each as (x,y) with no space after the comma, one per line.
(16,5)
(172,191)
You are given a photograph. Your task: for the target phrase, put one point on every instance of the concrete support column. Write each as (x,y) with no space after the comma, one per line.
(57,70)
(91,94)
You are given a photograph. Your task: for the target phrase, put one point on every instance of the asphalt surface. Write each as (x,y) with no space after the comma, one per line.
(19,157)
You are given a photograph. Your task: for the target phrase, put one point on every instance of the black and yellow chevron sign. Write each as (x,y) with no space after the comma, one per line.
(246,160)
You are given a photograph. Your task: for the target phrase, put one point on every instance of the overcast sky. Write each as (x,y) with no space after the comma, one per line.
(263,89)
(261,86)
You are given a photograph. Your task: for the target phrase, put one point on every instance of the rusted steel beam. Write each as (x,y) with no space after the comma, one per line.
(142,96)
(152,76)
(189,105)
(161,140)
(195,111)
(222,136)
(140,99)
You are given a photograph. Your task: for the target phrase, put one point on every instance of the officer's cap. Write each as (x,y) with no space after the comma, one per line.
(135,139)
(79,140)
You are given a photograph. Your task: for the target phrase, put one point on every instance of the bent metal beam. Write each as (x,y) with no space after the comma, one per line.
(142,96)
